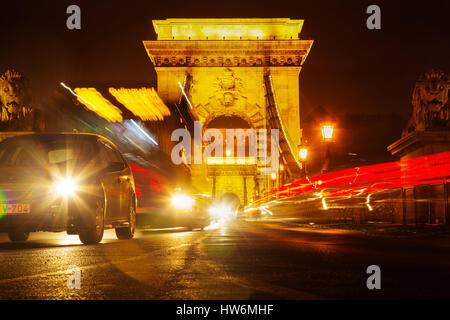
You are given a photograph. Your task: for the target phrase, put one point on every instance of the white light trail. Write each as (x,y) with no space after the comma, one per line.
(185,95)
(143,132)
(78,96)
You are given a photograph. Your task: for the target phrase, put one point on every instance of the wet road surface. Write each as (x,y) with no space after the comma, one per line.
(240,260)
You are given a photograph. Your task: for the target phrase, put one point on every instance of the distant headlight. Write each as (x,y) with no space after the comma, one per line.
(220,211)
(66,187)
(182,201)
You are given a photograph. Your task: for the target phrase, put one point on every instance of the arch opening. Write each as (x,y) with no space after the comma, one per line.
(228,122)
(230,200)
(224,123)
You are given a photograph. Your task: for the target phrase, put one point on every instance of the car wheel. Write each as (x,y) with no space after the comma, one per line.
(18,235)
(94,234)
(126,233)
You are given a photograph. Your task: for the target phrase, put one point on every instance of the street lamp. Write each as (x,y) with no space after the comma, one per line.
(327,135)
(281,175)
(327,132)
(274,176)
(303,155)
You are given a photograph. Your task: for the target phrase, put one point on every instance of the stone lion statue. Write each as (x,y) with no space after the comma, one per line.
(15,96)
(430,103)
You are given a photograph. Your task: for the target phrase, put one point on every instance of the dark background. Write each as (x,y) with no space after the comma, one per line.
(362,78)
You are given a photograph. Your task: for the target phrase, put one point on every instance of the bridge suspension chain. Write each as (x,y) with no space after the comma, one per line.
(275,122)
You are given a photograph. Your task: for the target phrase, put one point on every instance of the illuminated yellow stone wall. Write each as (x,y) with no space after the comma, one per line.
(212,97)
(227,29)
(234,184)
(227,59)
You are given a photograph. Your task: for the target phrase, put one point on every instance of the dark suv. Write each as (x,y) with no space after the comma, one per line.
(74,182)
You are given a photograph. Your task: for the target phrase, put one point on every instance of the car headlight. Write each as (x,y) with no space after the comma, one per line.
(220,211)
(182,201)
(66,187)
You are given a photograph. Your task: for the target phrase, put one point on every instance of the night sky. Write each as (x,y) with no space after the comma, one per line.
(351,72)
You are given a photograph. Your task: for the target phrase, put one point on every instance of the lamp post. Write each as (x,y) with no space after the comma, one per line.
(327,135)
(303,155)
(281,175)
(274,176)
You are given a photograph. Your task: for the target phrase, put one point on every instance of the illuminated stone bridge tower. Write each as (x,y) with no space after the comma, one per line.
(240,71)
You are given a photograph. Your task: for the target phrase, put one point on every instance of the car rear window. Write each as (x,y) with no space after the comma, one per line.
(31,152)
(60,155)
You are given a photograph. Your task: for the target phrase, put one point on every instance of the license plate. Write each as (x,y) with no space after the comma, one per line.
(15,208)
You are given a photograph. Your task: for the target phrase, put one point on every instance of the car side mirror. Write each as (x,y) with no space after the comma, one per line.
(115,166)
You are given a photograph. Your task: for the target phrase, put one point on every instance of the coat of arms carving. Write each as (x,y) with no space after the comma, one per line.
(228,88)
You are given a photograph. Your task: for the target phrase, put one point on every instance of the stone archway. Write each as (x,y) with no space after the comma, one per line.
(231,178)
(224,71)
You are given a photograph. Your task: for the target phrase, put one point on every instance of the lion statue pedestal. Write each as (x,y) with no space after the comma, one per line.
(17,116)
(427,132)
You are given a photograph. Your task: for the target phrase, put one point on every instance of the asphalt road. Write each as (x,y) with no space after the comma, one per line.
(240,260)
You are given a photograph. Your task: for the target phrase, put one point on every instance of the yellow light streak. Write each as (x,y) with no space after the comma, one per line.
(71,91)
(324,204)
(94,101)
(144,103)
(203,195)
(368,203)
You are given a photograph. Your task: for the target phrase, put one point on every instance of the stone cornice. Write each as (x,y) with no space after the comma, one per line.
(228,53)
(415,138)
(228,45)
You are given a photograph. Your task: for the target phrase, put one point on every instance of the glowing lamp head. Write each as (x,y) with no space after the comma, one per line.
(274,176)
(303,153)
(327,132)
